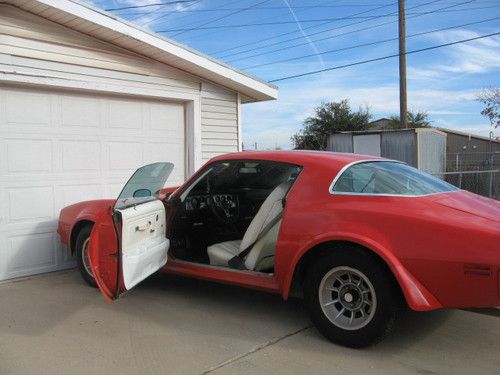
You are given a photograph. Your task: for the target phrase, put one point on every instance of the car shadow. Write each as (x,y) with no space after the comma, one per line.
(184,305)
(411,327)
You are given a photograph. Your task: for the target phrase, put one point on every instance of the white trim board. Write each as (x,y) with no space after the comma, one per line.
(107,27)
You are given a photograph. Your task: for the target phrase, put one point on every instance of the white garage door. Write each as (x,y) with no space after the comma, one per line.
(58,148)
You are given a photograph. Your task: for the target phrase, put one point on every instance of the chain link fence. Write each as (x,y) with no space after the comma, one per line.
(477,172)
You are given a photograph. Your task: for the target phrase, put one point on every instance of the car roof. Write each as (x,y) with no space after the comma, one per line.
(320,159)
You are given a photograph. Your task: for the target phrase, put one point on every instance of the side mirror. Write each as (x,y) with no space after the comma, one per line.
(142,193)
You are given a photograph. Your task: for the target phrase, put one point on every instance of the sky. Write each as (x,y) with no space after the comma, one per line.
(256,36)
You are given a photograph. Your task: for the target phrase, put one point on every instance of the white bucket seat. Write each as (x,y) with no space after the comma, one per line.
(261,235)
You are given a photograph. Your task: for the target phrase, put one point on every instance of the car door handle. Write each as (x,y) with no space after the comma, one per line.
(142,228)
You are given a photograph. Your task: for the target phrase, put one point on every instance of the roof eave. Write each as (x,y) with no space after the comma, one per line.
(184,57)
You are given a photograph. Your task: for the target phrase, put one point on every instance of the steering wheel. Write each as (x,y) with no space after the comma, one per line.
(225,207)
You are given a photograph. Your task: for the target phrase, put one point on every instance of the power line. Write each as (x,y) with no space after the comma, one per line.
(368,44)
(294,7)
(383,58)
(166,14)
(333,36)
(468,9)
(276,23)
(280,42)
(149,5)
(222,17)
(205,34)
(351,5)
(294,32)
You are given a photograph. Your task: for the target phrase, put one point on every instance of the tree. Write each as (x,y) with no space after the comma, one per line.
(329,118)
(491,99)
(415,120)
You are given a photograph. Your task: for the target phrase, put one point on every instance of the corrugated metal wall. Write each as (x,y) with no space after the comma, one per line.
(341,142)
(456,142)
(400,145)
(431,151)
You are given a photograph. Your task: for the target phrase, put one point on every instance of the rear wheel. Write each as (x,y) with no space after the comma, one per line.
(351,297)
(82,256)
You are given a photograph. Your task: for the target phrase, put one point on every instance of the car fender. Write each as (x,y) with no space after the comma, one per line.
(71,216)
(417,296)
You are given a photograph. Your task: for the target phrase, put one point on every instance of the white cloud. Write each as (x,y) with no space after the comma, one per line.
(479,56)
(272,123)
(432,88)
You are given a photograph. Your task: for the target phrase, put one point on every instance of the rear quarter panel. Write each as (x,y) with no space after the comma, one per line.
(424,244)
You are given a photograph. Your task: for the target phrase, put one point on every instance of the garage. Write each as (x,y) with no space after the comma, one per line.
(70,147)
(85,99)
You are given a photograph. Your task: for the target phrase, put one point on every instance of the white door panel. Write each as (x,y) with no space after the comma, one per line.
(143,242)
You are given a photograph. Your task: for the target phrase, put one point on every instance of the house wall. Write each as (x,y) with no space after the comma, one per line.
(34,49)
(219,121)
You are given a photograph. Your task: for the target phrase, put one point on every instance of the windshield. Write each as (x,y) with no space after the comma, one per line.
(144,184)
(388,178)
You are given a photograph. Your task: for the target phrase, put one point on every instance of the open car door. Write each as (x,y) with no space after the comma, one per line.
(128,242)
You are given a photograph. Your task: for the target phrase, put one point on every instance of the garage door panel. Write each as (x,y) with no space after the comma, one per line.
(31,252)
(113,190)
(171,152)
(126,115)
(30,204)
(29,155)
(16,105)
(70,194)
(80,111)
(123,156)
(81,156)
(170,116)
(67,148)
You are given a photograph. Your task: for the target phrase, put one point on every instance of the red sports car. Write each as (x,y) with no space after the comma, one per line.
(356,236)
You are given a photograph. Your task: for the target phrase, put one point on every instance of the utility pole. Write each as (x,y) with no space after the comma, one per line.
(403,109)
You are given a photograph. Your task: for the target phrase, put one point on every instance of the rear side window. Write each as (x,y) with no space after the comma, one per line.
(387,178)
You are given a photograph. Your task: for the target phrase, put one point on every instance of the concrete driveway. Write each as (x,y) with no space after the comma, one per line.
(55,324)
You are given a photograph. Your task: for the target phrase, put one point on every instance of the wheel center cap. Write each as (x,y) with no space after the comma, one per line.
(348,297)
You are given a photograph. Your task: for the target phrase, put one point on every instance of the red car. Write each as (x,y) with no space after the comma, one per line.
(356,236)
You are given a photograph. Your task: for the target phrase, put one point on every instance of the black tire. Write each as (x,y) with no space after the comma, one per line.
(385,309)
(82,236)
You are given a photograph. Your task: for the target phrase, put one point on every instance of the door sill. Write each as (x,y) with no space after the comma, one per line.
(245,278)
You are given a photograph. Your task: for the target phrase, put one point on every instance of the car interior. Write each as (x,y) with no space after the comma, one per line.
(231,214)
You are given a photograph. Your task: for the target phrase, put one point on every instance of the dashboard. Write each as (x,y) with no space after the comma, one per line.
(201,201)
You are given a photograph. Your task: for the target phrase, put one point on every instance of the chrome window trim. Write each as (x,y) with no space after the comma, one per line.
(347,166)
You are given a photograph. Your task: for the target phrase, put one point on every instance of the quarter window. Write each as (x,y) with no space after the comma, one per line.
(388,178)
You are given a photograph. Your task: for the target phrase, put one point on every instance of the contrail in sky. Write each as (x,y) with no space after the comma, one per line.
(306,37)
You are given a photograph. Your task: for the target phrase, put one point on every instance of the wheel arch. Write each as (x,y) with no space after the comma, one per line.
(412,291)
(74,233)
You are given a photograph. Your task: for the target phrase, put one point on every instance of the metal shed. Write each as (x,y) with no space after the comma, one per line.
(423,148)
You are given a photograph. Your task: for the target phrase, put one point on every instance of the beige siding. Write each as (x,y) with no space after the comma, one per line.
(26,37)
(219,121)
(33,46)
